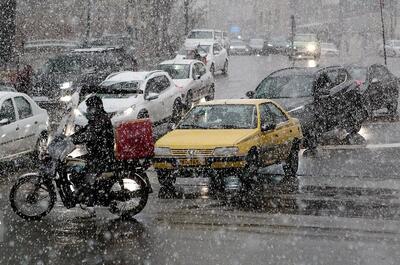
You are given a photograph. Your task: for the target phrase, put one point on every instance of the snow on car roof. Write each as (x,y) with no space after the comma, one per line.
(127,76)
(179,61)
(9,94)
(94,49)
(235,102)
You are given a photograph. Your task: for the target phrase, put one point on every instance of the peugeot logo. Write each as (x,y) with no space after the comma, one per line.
(191,153)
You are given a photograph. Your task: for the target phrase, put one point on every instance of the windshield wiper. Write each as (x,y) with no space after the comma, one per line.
(191,126)
(231,127)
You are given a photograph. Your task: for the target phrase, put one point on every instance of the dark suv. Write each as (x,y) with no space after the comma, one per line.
(322,99)
(63,74)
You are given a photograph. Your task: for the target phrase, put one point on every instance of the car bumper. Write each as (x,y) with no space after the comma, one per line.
(199,164)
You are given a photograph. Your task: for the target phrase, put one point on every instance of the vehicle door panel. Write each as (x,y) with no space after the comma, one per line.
(197,86)
(9,133)
(167,96)
(154,106)
(27,122)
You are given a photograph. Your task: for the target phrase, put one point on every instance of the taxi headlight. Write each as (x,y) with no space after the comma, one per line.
(311,47)
(162,151)
(226,151)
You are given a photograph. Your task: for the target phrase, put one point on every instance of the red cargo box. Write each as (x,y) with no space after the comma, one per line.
(134,140)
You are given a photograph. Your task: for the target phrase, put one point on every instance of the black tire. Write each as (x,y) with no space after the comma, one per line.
(291,164)
(392,108)
(166,179)
(177,110)
(216,184)
(143,114)
(249,175)
(211,95)
(125,196)
(212,70)
(37,182)
(226,68)
(41,145)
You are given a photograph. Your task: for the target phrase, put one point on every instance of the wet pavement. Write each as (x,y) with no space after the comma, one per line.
(345,210)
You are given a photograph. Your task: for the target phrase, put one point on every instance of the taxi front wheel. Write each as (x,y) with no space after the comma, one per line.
(291,164)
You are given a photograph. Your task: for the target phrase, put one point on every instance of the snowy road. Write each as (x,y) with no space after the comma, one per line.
(347,210)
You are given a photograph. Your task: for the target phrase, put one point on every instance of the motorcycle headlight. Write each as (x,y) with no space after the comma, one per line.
(311,47)
(66,85)
(225,151)
(162,151)
(67,98)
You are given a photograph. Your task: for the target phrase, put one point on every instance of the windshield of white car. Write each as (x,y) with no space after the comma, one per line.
(288,86)
(328,45)
(176,71)
(121,89)
(227,116)
(200,35)
(75,63)
(358,73)
(305,38)
(256,42)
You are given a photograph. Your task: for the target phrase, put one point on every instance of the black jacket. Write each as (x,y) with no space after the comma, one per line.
(98,135)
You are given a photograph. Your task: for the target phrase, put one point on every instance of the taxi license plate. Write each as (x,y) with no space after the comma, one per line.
(191,162)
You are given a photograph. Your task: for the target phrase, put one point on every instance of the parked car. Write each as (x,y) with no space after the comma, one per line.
(379,87)
(306,46)
(6,87)
(65,73)
(135,95)
(23,126)
(197,36)
(239,47)
(192,78)
(329,49)
(323,99)
(256,46)
(242,136)
(392,48)
(277,45)
(212,53)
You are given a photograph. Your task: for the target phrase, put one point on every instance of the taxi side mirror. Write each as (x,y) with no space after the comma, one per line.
(268,126)
(250,94)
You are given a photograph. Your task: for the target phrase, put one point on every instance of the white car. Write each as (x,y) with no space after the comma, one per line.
(23,126)
(392,48)
(223,38)
(215,56)
(329,49)
(134,95)
(192,78)
(197,36)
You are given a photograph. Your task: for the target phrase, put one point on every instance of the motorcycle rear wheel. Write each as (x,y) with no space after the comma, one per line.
(32,198)
(131,197)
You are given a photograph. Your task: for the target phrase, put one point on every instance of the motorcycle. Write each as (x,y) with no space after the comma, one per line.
(124,188)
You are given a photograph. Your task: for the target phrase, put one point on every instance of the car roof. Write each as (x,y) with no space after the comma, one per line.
(93,49)
(10,94)
(303,70)
(130,76)
(180,61)
(235,102)
(203,30)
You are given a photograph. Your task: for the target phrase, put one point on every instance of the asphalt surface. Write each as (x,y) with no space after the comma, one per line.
(346,209)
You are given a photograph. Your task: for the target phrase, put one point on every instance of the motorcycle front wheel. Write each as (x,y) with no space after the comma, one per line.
(129,194)
(32,197)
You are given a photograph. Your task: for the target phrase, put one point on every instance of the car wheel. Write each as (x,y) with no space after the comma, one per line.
(177,110)
(143,114)
(392,109)
(212,70)
(226,68)
(249,175)
(211,95)
(41,146)
(291,164)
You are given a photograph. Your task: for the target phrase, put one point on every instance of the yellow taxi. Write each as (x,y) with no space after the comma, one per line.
(224,137)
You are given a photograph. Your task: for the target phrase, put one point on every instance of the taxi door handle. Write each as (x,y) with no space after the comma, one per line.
(17,128)
(276,135)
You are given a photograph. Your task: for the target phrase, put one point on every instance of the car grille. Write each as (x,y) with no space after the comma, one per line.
(192,152)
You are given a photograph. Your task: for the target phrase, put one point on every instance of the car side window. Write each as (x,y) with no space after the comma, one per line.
(277,114)
(202,69)
(7,111)
(265,114)
(23,107)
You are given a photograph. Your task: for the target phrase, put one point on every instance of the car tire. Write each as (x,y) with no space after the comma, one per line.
(291,164)
(392,109)
(41,146)
(177,110)
(143,114)
(226,68)
(211,95)
(249,175)
(212,70)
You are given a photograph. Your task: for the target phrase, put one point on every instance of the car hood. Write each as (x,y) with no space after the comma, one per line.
(183,83)
(116,104)
(194,42)
(194,139)
(293,104)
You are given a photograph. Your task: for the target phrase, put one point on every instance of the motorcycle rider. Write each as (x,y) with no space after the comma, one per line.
(98,136)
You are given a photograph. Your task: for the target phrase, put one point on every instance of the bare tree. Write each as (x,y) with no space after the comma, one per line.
(7,29)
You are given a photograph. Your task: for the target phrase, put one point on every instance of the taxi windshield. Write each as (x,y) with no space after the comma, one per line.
(226,116)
